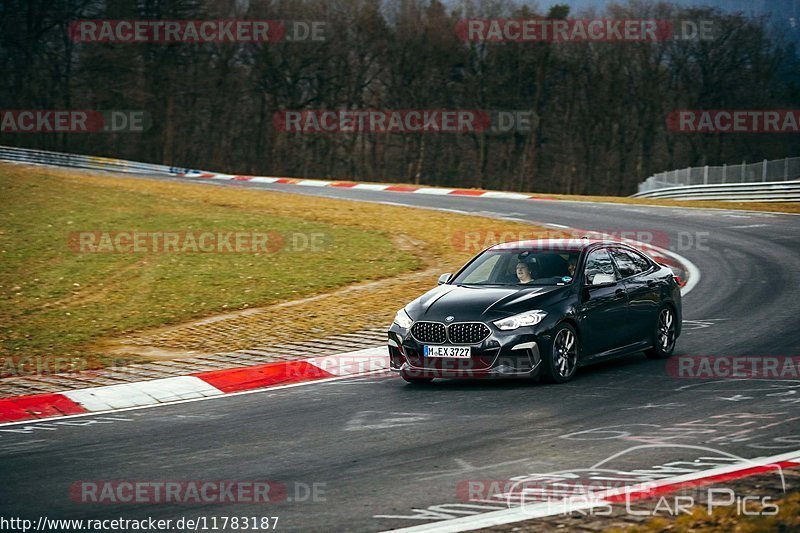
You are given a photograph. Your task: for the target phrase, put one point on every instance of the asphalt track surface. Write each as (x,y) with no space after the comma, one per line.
(386,455)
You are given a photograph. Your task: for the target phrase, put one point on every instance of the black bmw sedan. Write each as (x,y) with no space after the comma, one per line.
(539,309)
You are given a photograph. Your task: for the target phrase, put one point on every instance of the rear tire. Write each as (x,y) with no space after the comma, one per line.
(562,361)
(413,380)
(663,335)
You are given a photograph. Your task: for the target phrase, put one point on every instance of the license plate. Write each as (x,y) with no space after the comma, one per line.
(453,352)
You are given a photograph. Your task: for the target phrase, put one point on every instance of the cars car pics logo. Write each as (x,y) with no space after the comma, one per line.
(449,318)
(604,486)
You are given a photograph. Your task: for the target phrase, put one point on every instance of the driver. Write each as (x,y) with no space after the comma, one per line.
(572,263)
(524,274)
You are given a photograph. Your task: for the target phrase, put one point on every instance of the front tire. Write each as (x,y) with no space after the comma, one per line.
(664,335)
(562,361)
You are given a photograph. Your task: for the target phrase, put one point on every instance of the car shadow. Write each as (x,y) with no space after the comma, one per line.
(635,362)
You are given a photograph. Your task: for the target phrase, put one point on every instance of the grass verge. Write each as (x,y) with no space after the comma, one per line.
(55,302)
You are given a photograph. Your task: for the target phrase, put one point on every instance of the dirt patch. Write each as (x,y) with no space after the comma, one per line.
(346,310)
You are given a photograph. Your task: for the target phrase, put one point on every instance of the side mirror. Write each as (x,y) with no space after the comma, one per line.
(601,280)
(601,285)
(444,278)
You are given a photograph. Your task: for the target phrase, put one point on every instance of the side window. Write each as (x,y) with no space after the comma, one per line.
(483,271)
(640,261)
(599,268)
(629,263)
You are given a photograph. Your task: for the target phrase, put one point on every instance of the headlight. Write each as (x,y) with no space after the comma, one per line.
(528,318)
(402,319)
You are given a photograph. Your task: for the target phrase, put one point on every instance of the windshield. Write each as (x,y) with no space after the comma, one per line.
(520,267)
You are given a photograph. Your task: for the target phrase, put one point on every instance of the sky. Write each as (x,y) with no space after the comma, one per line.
(779,8)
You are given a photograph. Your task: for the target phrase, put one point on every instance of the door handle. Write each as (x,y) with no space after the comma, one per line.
(651,283)
(619,293)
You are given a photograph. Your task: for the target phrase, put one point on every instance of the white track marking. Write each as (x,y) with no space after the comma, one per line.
(370,187)
(694,272)
(376,420)
(429,190)
(506,195)
(313,183)
(142,393)
(749,226)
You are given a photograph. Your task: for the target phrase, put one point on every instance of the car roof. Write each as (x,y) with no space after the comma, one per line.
(562,245)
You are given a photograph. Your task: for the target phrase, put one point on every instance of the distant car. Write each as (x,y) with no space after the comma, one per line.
(587,301)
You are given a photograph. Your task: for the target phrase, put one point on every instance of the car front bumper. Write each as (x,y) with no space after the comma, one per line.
(502,354)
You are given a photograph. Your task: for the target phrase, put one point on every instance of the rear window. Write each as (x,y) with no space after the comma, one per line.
(630,263)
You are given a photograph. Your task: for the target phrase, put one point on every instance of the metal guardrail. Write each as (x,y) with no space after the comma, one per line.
(787,169)
(43,157)
(774,191)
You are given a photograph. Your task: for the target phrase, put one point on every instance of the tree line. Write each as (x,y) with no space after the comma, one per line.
(600,109)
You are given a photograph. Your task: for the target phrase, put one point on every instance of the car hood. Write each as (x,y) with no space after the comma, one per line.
(469,302)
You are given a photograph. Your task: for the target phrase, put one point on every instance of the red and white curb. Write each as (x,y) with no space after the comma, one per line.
(437,191)
(748,467)
(192,387)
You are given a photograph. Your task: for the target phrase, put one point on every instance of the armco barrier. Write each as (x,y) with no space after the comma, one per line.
(43,157)
(780,191)
(771,191)
(787,169)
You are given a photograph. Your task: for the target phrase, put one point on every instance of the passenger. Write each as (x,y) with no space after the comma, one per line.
(573,262)
(524,272)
